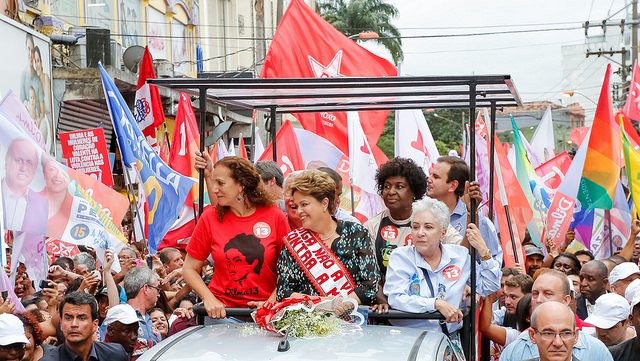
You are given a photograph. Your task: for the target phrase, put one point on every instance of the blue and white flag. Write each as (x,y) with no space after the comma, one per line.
(164,188)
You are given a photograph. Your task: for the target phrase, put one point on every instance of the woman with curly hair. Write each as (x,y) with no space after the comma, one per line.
(326,255)
(34,349)
(245,215)
(400,182)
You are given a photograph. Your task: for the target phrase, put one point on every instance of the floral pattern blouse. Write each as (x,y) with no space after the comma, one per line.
(353,248)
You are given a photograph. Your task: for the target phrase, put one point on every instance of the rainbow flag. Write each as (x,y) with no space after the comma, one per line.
(532,187)
(602,164)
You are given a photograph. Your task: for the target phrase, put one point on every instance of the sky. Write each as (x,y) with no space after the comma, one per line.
(533,59)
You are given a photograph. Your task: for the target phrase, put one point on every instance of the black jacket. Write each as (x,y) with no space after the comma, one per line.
(100,351)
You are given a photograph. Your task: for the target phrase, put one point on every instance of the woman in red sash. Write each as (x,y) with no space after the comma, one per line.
(243,234)
(325,257)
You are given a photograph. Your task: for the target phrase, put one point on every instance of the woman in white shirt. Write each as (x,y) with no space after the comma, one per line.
(430,276)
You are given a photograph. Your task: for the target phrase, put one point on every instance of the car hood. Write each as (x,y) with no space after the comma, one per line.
(247,342)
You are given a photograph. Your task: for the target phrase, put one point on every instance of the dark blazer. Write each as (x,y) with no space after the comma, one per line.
(581,307)
(100,351)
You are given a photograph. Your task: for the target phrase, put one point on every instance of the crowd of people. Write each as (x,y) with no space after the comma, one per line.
(269,237)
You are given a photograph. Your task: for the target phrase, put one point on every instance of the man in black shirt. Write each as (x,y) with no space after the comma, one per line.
(630,349)
(78,323)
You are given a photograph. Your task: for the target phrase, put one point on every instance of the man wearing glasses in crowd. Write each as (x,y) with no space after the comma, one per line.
(554,285)
(553,330)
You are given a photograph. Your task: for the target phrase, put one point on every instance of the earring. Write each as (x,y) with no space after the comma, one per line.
(239,198)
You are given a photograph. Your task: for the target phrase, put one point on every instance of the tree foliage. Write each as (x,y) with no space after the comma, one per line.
(445,125)
(352,17)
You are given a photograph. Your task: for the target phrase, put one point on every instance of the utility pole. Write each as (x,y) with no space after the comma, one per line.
(634,33)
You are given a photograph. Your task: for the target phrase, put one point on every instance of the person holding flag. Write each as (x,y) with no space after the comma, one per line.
(243,234)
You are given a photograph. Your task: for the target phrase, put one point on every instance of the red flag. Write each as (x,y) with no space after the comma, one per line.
(147,108)
(519,210)
(632,134)
(632,106)
(577,135)
(186,141)
(289,156)
(552,171)
(306,46)
(242,150)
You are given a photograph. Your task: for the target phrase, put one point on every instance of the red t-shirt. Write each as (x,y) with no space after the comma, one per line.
(245,252)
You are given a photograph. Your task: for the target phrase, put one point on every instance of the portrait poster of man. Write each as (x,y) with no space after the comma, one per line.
(27,73)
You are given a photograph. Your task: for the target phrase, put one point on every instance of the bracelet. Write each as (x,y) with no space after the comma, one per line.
(486,256)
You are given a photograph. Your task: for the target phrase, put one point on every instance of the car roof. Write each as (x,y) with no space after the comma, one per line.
(247,342)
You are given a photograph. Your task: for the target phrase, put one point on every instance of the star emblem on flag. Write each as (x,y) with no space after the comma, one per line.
(331,70)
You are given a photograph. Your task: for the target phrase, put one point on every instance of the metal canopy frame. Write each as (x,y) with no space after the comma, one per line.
(303,95)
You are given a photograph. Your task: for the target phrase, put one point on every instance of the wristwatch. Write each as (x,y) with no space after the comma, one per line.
(486,256)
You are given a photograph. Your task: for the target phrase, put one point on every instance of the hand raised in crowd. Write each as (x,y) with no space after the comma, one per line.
(450,313)
(6,306)
(50,295)
(109,258)
(635,227)
(203,161)
(89,282)
(183,313)
(215,308)
(471,190)
(476,240)
(570,236)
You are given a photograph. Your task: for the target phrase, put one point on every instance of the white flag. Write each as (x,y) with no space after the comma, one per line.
(362,164)
(232,148)
(222,149)
(543,141)
(258,147)
(414,139)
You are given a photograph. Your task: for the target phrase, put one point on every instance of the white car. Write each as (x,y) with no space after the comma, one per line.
(247,342)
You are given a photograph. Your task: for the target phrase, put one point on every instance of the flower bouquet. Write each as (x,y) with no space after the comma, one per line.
(309,317)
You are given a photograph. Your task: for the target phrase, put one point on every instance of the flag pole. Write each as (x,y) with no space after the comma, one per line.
(252,146)
(203,114)
(166,136)
(131,191)
(272,128)
(607,213)
(492,151)
(505,203)
(473,213)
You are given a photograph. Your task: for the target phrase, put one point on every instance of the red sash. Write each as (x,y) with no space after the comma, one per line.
(325,271)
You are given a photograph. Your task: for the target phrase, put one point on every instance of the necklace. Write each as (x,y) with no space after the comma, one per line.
(329,237)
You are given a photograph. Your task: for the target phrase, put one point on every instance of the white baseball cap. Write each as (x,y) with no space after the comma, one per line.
(11,330)
(609,309)
(622,271)
(123,313)
(631,290)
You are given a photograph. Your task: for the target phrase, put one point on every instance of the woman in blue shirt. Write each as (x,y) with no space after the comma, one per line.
(430,276)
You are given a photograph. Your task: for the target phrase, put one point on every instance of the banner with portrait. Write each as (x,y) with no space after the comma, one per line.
(27,73)
(42,198)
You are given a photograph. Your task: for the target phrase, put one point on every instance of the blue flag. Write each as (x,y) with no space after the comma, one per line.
(165,189)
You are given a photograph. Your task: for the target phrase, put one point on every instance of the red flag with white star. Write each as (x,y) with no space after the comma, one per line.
(147,108)
(306,46)
(632,106)
(289,156)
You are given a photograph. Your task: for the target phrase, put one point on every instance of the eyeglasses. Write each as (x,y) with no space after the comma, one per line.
(14,346)
(551,335)
(154,287)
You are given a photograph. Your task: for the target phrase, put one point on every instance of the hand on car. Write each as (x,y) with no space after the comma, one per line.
(450,313)
(215,308)
(380,308)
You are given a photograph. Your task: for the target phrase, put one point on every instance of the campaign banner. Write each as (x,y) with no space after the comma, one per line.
(41,197)
(86,151)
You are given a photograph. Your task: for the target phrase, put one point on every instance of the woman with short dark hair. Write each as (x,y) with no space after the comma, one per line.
(325,256)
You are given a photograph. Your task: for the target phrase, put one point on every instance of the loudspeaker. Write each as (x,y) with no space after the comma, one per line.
(98,47)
